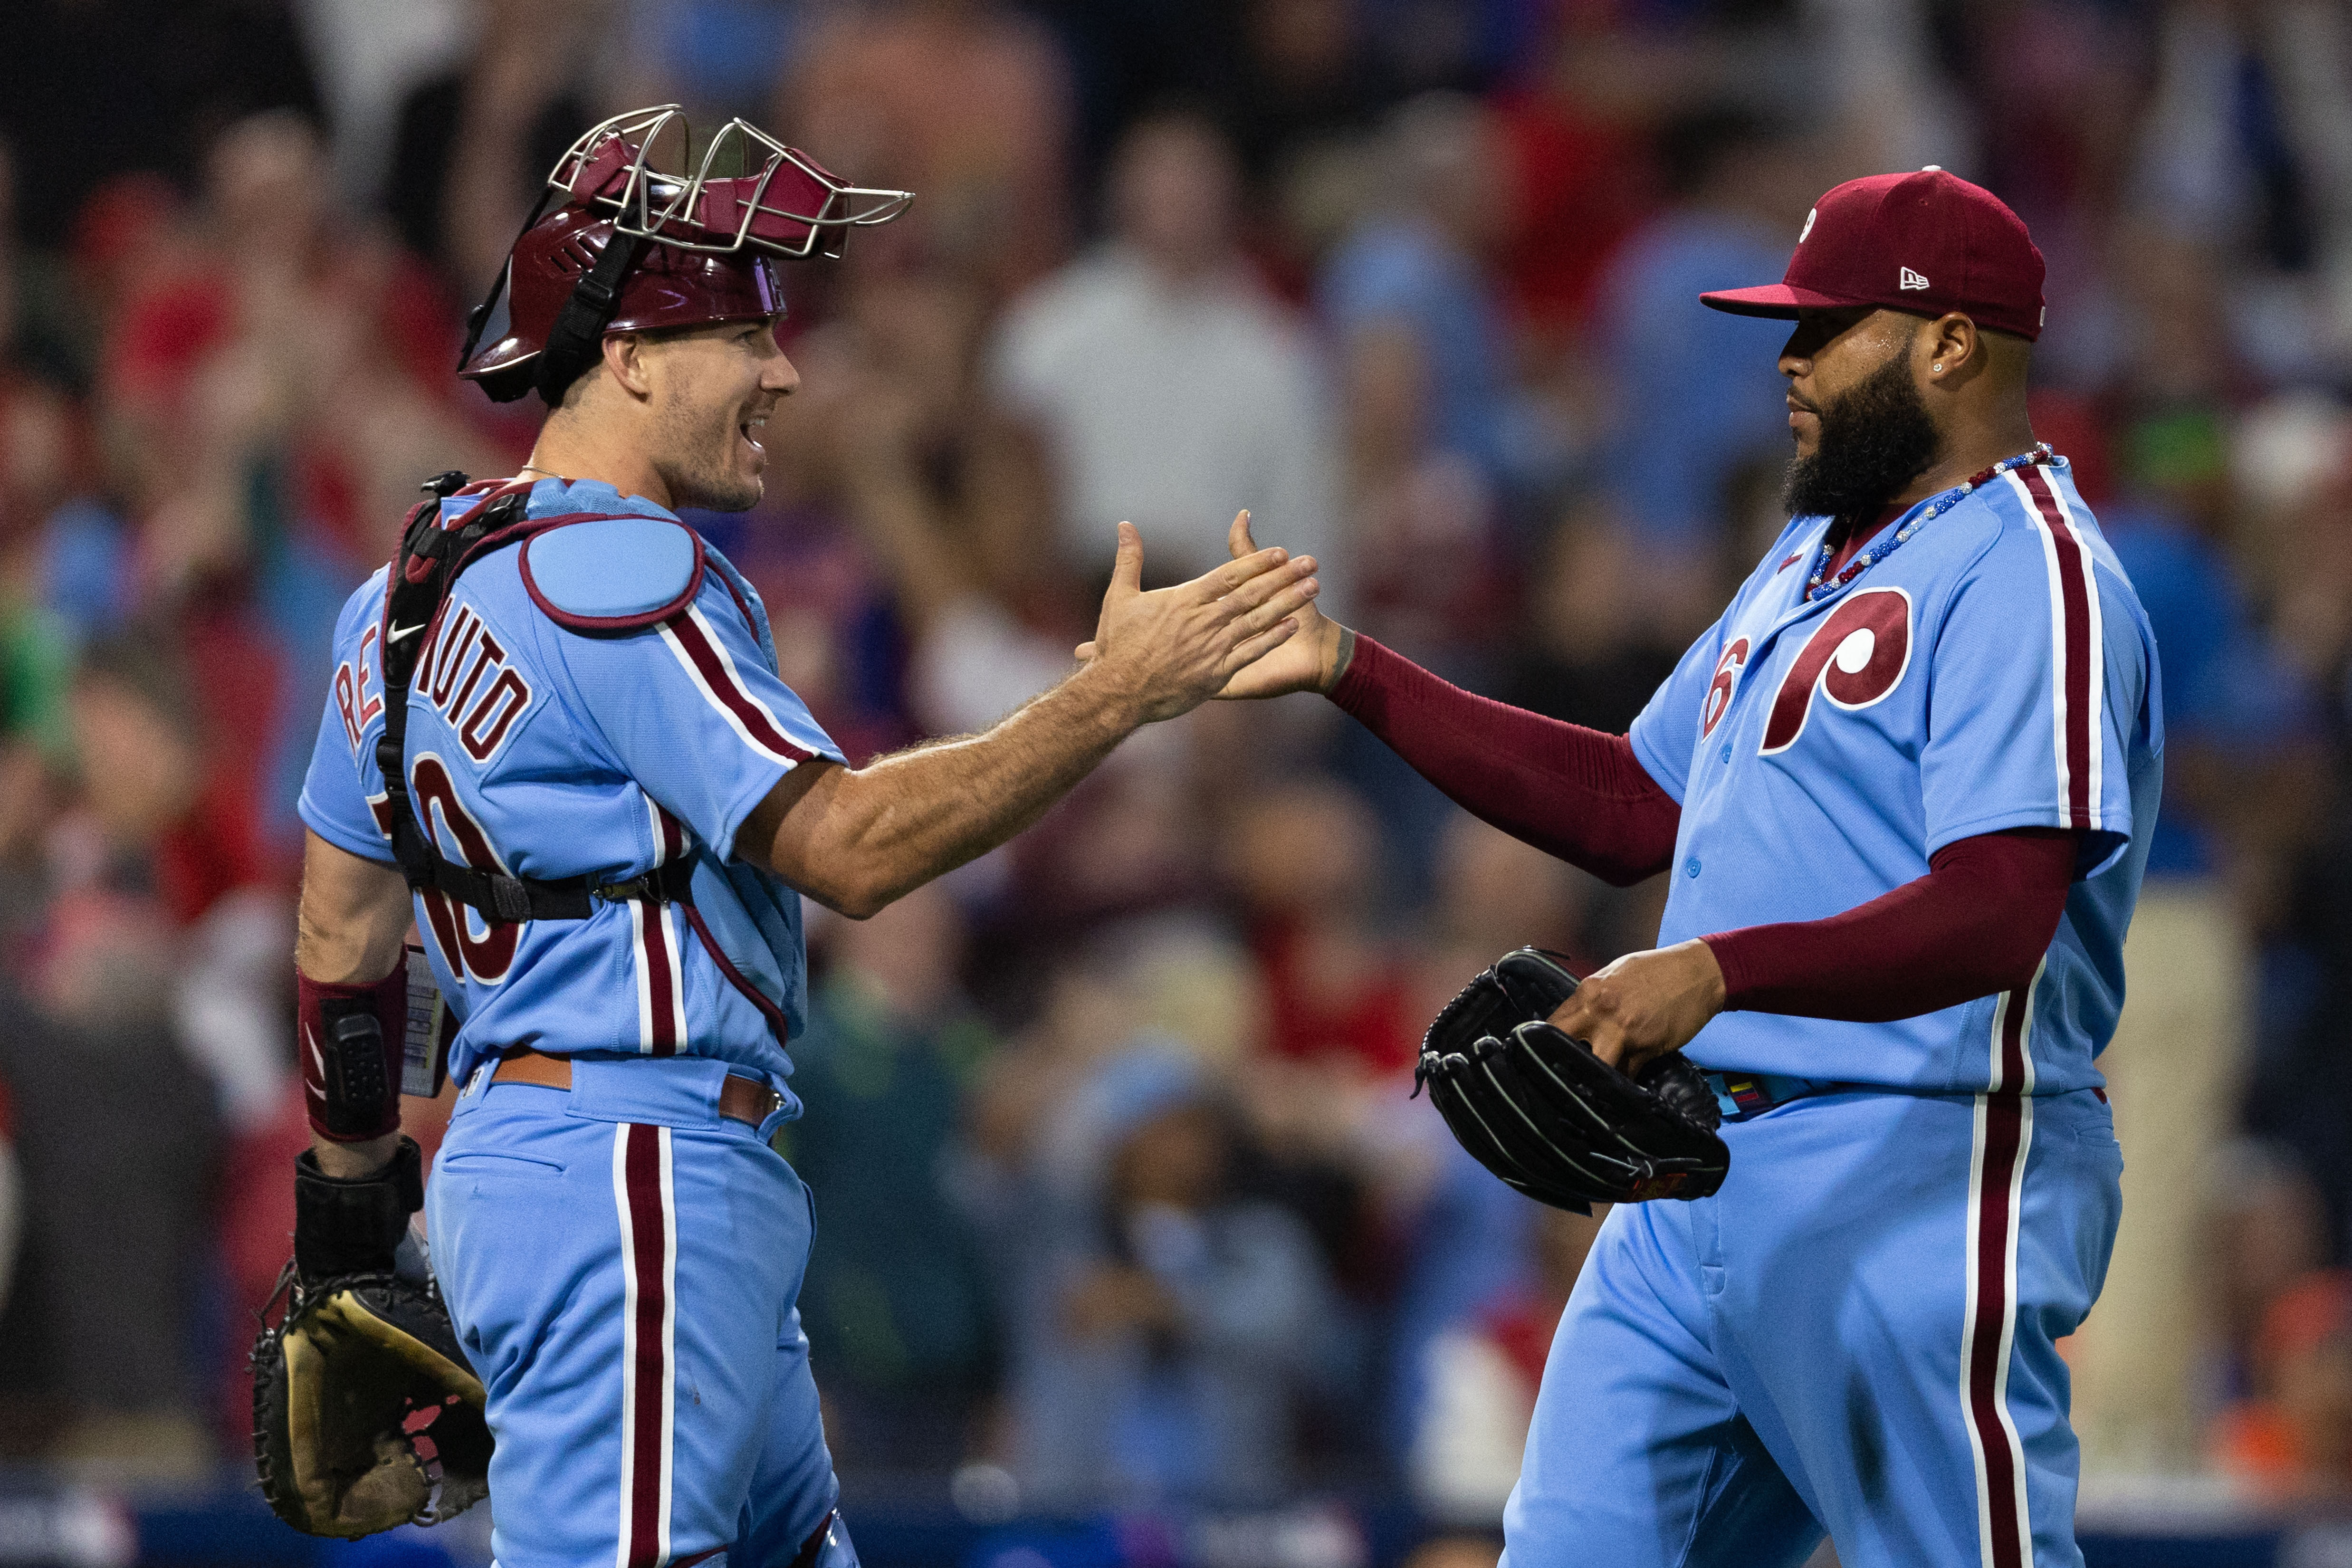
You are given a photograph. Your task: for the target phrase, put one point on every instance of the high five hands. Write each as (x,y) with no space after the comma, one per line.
(1306,657)
(1174,648)
(1308,661)
(1636,1010)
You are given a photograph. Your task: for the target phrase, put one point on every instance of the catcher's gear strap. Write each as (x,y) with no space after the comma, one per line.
(353,1225)
(425,1053)
(421,575)
(576,341)
(353,1044)
(365,1415)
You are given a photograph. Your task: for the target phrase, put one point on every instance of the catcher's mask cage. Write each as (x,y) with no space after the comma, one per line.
(786,204)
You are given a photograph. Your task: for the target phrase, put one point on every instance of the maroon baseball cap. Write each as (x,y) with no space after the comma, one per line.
(1928,242)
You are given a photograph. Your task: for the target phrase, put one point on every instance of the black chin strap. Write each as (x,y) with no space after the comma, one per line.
(577,340)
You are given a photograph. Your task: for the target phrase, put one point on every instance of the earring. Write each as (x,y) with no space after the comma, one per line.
(1939,370)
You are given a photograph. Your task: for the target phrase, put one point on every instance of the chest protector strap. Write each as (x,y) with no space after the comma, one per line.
(423,573)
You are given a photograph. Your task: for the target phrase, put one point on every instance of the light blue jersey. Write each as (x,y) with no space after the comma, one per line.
(1859,1333)
(550,738)
(1994,671)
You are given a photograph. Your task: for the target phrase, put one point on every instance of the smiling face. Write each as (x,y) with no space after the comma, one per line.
(710,393)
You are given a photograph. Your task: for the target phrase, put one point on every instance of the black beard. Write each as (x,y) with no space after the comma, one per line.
(1874,440)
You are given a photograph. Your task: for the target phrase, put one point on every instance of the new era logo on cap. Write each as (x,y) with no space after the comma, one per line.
(1925,242)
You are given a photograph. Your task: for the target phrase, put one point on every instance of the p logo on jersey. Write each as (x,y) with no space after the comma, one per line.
(1854,657)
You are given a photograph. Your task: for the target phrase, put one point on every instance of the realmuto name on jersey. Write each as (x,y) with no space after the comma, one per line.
(353,700)
(464,674)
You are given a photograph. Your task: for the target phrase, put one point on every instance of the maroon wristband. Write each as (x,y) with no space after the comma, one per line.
(351,1047)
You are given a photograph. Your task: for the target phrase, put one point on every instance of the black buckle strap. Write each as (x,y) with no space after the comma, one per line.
(577,339)
(513,900)
(668,884)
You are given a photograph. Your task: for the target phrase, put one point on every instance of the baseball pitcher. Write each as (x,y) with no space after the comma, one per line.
(1903,789)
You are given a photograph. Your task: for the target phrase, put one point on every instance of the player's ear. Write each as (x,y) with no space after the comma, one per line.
(627,355)
(1951,348)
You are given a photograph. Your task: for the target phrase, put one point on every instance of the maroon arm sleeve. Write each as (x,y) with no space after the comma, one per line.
(1977,923)
(1572,791)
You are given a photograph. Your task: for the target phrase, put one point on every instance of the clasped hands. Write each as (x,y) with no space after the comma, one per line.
(1173,648)
(1630,1012)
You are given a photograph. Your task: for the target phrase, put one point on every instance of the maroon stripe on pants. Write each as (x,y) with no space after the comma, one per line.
(2005,1135)
(642,1170)
(2074,599)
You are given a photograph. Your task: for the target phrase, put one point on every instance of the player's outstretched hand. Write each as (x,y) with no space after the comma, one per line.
(1171,650)
(1310,661)
(1645,1004)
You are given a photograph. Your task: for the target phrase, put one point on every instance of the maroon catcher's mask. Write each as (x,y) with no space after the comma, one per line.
(630,248)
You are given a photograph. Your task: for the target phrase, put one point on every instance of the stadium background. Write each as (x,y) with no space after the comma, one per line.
(1413,279)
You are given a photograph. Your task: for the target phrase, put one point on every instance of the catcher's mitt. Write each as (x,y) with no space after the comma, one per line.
(365,1415)
(1548,1117)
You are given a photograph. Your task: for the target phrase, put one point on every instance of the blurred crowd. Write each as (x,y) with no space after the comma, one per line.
(1122,1193)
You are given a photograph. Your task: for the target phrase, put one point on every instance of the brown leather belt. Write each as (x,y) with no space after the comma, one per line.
(739,1098)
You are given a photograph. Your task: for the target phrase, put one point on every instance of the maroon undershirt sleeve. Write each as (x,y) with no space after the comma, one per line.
(1977,923)
(1575,793)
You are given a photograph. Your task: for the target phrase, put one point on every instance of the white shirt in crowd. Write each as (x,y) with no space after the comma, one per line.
(1172,406)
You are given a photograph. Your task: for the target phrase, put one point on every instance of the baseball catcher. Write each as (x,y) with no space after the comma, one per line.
(558,743)
(1553,1120)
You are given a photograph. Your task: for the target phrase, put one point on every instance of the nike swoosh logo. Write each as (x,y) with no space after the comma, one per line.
(397,632)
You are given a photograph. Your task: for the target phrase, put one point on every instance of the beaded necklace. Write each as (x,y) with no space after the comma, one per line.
(1818,585)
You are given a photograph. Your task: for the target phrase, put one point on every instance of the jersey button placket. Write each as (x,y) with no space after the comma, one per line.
(1690,867)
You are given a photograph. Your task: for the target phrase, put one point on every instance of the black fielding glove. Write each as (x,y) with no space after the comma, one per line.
(353,1225)
(1550,1118)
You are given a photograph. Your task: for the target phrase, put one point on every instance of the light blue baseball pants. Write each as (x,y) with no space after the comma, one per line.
(1857,1333)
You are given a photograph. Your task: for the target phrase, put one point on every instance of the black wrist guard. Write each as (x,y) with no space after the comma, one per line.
(352,1043)
(353,1225)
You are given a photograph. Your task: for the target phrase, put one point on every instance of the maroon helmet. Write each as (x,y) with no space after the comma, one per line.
(630,248)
